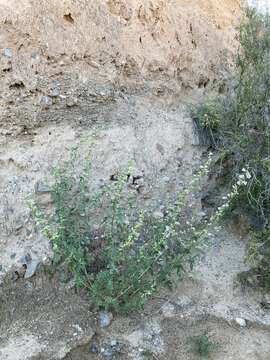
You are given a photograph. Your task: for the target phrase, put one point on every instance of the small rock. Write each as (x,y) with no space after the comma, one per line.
(1,267)
(54,93)
(12,256)
(7,53)
(139,183)
(184,301)
(93,348)
(105,318)
(34,56)
(158,215)
(265,305)
(241,322)
(71,102)
(168,310)
(101,183)
(25,259)
(28,286)
(28,232)
(107,353)
(18,227)
(46,102)
(31,269)
(42,188)
(113,343)
(78,328)
(166,179)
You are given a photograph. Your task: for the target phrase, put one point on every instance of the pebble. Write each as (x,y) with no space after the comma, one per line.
(35,56)
(25,259)
(54,93)
(42,188)
(158,215)
(107,353)
(105,319)
(93,348)
(7,53)
(113,343)
(72,102)
(18,227)
(12,256)
(31,269)
(46,102)
(139,183)
(166,179)
(241,322)
(78,328)
(28,286)
(168,310)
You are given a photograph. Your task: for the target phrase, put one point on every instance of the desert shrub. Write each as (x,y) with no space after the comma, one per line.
(242,128)
(259,256)
(110,244)
(207,117)
(202,345)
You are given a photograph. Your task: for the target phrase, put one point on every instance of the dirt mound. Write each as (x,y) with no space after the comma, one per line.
(69,59)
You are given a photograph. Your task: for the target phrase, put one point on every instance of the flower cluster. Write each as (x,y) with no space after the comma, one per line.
(243,180)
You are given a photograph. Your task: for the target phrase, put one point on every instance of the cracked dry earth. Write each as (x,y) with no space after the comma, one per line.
(76,70)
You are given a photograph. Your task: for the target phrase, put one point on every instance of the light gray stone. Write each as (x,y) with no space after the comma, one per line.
(42,188)
(105,318)
(241,322)
(7,53)
(31,269)
(46,102)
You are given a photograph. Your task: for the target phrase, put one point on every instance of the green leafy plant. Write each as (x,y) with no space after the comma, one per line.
(113,247)
(149,354)
(243,129)
(207,118)
(202,345)
(259,256)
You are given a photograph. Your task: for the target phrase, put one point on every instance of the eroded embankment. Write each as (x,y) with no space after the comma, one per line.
(119,71)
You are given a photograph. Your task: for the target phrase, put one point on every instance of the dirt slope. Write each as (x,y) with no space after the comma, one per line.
(59,58)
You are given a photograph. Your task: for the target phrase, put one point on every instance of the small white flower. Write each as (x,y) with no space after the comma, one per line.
(248,175)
